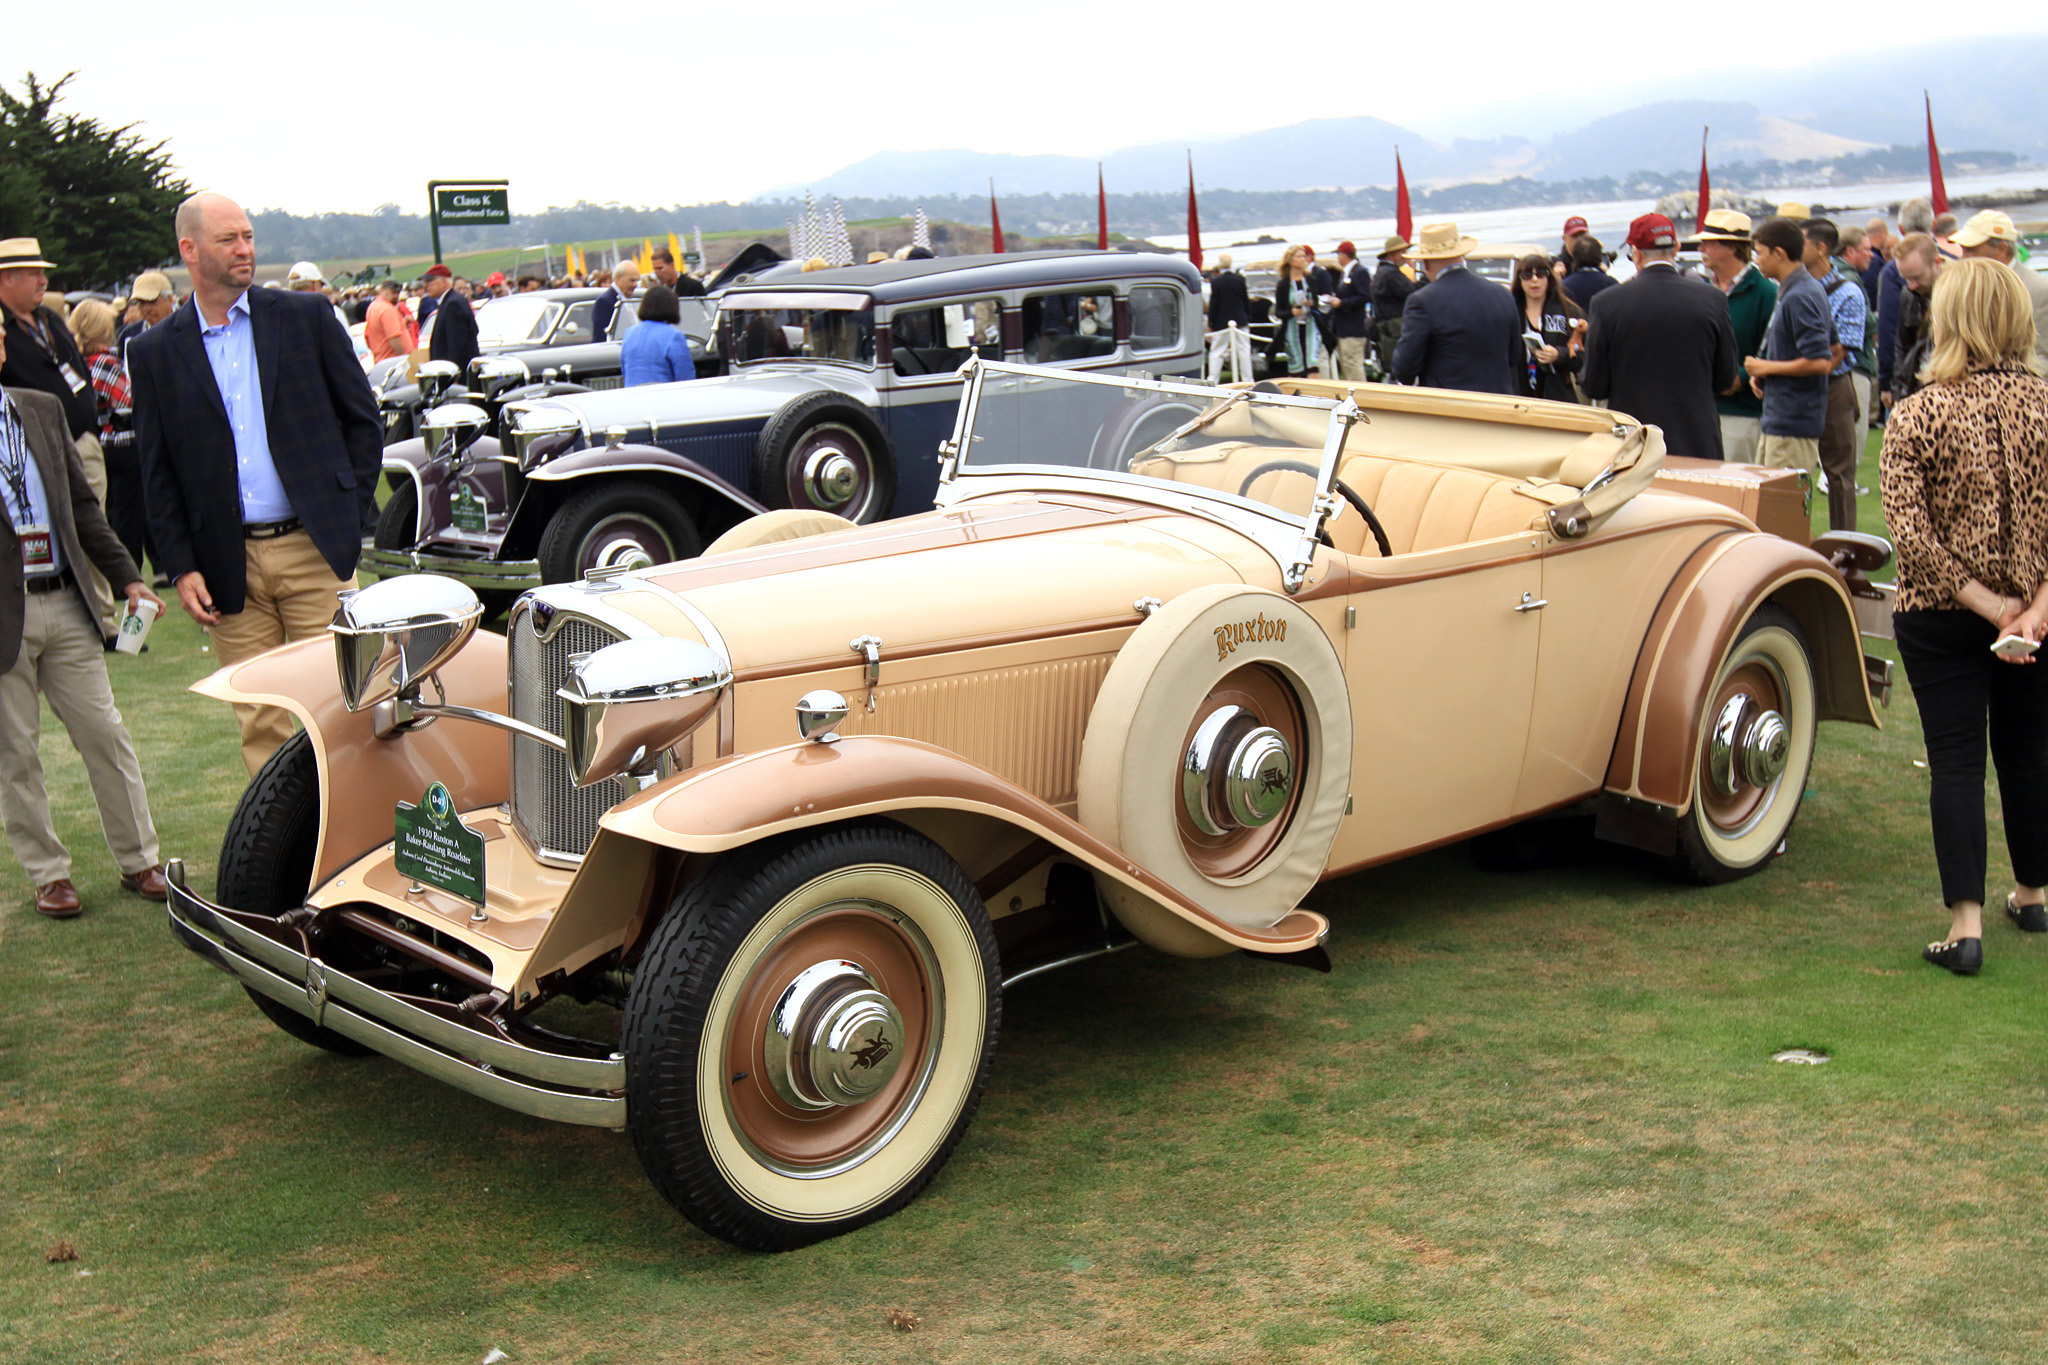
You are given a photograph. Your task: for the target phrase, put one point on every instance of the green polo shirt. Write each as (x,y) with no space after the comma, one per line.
(1749,310)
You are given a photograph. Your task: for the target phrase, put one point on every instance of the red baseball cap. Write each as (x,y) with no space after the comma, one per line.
(437,271)
(1345,248)
(1652,232)
(497,277)
(1573,226)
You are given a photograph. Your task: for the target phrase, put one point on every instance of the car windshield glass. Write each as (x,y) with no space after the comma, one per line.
(1266,449)
(800,334)
(516,320)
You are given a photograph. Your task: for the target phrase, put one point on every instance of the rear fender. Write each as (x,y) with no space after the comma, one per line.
(978,817)
(714,504)
(470,760)
(1650,777)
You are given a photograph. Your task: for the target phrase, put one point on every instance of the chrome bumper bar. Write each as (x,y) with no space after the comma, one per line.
(510,575)
(548,1085)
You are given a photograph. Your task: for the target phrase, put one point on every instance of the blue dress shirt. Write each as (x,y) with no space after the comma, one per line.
(14,447)
(231,350)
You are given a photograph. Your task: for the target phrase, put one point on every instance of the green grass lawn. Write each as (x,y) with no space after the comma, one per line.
(1531,1117)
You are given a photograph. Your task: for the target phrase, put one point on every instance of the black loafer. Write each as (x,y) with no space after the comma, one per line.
(1963,956)
(2031,919)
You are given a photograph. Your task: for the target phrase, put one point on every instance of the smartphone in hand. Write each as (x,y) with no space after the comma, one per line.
(2014,647)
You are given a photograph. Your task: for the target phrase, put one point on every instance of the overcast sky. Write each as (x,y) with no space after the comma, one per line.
(324,109)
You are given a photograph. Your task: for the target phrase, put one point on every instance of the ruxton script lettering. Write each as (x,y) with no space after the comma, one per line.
(1235,633)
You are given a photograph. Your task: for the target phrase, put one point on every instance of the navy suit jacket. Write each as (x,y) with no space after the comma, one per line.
(455,335)
(325,438)
(1460,332)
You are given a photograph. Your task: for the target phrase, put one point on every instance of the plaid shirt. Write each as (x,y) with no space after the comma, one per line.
(110,390)
(1851,313)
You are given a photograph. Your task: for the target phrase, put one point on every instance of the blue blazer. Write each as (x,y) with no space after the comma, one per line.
(324,438)
(1461,331)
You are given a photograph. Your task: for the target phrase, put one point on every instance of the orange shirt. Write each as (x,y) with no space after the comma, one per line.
(384,323)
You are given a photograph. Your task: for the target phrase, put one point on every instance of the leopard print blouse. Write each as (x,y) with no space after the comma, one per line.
(1965,482)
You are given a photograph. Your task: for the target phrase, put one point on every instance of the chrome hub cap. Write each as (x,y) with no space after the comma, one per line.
(833,1039)
(1236,774)
(830,478)
(1749,746)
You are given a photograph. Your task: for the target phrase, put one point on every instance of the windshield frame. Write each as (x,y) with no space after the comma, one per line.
(727,321)
(552,311)
(1291,538)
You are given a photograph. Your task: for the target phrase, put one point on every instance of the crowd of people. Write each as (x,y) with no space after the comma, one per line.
(159,431)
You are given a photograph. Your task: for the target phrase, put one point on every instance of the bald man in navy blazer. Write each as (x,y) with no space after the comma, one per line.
(260,452)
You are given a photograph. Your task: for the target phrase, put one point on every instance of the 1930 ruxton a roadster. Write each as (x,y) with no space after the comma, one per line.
(1163,658)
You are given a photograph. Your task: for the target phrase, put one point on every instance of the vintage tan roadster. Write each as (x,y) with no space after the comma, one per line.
(1164,657)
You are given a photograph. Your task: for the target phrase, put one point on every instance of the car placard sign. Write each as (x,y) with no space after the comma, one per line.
(436,849)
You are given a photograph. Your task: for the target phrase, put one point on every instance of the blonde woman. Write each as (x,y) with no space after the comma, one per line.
(1965,482)
(1295,308)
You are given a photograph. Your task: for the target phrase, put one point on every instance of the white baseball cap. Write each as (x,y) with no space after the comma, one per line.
(303,272)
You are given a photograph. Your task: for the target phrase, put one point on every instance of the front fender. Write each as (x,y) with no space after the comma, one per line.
(732,504)
(1726,579)
(751,797)
(470,760)
(433,481)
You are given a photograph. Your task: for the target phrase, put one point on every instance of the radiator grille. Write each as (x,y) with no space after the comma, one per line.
(550,812)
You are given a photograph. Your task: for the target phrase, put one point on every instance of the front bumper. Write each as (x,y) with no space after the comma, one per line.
(257,951)
(508,575)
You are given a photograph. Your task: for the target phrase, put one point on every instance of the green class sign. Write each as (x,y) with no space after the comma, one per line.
(479,207)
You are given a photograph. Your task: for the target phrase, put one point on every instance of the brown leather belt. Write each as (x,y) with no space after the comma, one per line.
(47,582)
(267,530)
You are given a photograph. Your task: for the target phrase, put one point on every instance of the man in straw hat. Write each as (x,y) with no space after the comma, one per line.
(1992,234)
(1659,347)
(1463,331)
(1723,241)
(1392,282)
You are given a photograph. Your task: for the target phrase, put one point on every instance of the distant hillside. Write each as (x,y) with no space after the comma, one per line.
(1987,91)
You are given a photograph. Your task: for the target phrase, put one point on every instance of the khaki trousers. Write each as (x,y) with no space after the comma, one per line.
(1863,383)
(1739,438)
(1789,452)
(61,652)
(291,596)
(94,458)
(1351,359)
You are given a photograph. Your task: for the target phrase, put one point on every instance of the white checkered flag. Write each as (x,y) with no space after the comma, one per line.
(921,230)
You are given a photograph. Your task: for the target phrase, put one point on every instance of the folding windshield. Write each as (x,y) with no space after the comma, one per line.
(515,320)
(1265,450)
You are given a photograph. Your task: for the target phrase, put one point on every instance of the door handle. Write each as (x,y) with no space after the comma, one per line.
(1531,602)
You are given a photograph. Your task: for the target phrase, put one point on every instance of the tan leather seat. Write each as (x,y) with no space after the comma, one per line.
(1430,507)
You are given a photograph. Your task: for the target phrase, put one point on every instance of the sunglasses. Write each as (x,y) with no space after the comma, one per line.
(1535,274)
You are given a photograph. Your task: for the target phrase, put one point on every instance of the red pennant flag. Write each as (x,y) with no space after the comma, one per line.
(1101,212)
(995,216)
(1934,162)
(1194,219)
(1700,217)
(1404,216)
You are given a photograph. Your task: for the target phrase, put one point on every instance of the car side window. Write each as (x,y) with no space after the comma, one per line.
(1155,318)
(938,339)
(576,326)
(1067,326)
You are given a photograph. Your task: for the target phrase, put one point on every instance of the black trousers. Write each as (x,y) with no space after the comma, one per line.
(1962,690)
(125,511)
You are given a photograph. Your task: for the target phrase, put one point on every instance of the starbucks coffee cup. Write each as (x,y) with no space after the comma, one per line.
(135,627)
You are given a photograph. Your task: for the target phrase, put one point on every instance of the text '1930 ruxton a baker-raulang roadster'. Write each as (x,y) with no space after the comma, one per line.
(1163,658)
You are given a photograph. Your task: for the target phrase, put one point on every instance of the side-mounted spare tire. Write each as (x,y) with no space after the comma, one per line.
(826,451)
(1218,758)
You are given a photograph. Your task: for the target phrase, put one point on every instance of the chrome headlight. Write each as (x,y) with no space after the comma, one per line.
(435,378)
(533,425)
(391,636)
(452,428)
(627,704)
(495,374)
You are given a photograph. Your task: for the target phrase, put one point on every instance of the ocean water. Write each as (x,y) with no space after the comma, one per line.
(1541,226)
